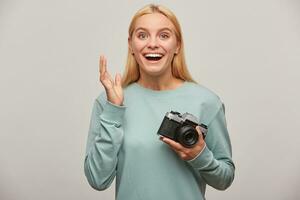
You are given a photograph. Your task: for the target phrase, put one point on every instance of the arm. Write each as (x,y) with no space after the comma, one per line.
(214,163)
(104,140)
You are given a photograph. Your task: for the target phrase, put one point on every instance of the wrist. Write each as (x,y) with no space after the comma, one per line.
(196,155)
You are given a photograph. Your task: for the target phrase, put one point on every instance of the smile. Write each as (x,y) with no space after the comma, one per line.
(153,56)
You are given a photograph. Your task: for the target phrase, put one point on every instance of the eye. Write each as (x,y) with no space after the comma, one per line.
(164,36)
(142,35)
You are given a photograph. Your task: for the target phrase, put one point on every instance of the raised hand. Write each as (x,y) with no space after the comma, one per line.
(113,87)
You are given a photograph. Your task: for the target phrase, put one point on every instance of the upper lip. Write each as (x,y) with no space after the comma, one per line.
(153,53)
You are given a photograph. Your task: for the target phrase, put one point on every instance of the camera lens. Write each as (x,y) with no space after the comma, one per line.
(187,136)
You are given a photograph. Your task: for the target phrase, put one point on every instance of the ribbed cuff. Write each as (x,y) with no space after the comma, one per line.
(198,153)
(114,113)
(202,160)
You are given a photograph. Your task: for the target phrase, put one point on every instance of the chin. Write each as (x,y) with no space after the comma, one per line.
(153,70)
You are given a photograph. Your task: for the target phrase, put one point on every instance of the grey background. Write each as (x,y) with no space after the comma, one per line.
(248,52)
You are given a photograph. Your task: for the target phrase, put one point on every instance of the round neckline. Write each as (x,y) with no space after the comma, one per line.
(160,92)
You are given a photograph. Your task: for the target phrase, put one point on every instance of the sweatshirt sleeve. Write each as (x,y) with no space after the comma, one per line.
(214,163)
(105,137)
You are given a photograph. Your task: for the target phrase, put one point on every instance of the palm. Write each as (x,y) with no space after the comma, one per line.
(113,88)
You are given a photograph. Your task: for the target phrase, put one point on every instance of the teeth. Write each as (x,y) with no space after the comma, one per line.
(154,55)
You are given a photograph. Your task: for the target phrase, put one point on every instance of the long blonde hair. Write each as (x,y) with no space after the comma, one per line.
(179,67)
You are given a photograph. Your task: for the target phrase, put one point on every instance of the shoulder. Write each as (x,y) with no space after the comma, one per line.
(210,102)
(202,92)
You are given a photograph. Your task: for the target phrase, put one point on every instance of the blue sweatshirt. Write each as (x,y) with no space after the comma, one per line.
(123,143)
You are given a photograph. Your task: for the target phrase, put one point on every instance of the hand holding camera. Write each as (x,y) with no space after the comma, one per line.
(183,134)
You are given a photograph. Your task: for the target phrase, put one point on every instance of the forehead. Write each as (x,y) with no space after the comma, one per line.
(153,21)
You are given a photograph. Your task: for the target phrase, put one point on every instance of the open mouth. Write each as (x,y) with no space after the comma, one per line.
(153,56)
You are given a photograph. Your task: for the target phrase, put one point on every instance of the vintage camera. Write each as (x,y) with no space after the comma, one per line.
(181,128)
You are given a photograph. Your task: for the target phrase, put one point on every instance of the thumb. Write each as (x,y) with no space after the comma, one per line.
(118,79)
(199,131)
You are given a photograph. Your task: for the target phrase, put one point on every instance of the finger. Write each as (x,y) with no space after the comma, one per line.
(199,132)
(174,145)
(108,76)
(118,79)
(101,65)
(105,72)
(104,64)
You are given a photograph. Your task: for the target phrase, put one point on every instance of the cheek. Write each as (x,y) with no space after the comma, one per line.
(137,48)
(137,45)
(171,47)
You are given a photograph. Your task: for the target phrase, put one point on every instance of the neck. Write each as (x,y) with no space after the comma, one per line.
(165,82)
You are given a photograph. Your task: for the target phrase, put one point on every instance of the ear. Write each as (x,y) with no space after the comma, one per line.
(129,45)
(177,48)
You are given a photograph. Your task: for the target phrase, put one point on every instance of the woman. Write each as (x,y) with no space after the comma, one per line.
(123,141)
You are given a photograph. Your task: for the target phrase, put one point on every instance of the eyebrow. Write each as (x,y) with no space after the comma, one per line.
(165,28)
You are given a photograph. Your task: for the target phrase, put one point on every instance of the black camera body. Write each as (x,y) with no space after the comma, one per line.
(181,128)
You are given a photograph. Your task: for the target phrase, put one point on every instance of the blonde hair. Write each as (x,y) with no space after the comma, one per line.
(179,67)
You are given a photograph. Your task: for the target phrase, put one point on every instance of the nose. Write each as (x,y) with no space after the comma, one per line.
(153,43)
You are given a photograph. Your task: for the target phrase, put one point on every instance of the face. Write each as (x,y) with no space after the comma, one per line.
(154,44)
